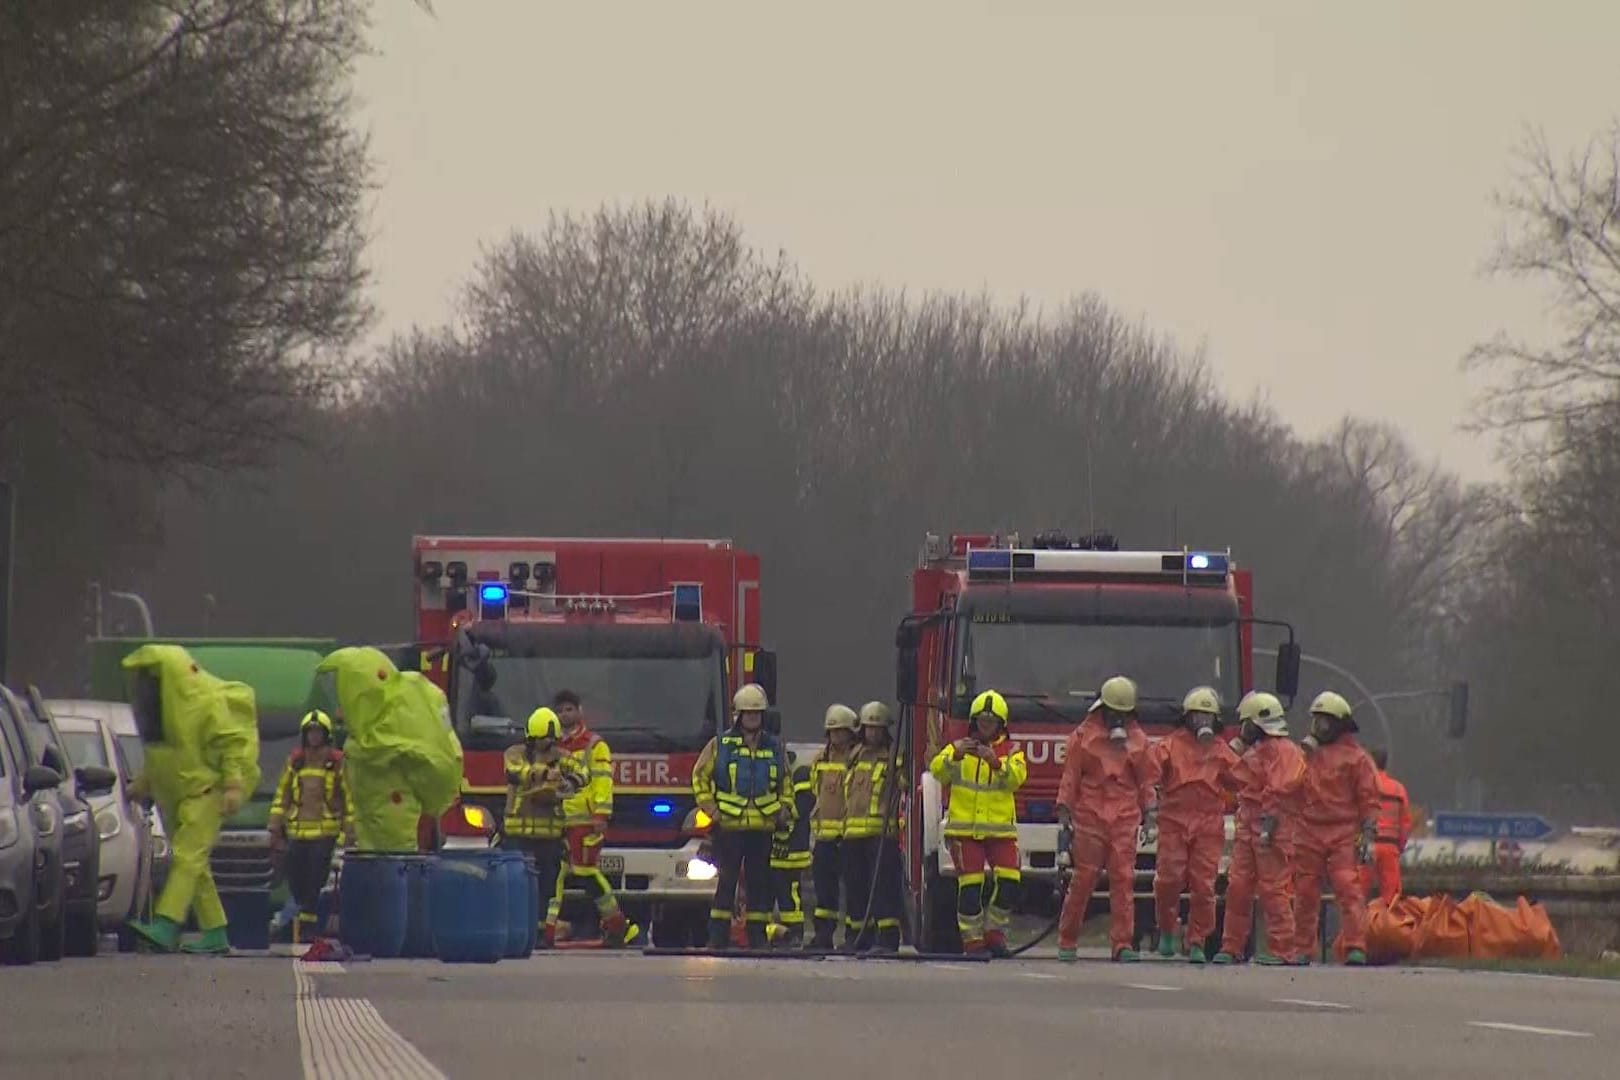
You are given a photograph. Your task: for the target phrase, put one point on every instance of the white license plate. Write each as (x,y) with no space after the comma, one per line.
(610,864)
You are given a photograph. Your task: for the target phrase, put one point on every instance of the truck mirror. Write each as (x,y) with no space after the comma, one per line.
(907,634)
(905,676)
(1287,682)
(1458,725)
(765,672)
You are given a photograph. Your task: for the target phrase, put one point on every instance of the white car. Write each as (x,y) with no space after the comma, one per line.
(134,850)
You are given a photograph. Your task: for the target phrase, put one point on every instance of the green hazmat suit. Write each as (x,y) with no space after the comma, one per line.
(210,744)
(402,756)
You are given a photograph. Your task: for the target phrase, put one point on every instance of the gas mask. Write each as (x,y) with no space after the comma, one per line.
(1201,724)
(1250,732)
(1324,729)
(146,702)
(1116,725)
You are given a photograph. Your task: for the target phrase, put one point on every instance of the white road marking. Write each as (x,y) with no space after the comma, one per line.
(1153,986)
(1040,975)
(346,1039)
(1527,1029)
(1310,1004)
(322,967)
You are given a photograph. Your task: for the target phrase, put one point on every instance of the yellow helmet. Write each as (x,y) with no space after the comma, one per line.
(1265,710)
(316,718)
(989,702)
(876,714)
(1201,699)
(839,718)
(544,724)
(1119,694)
(1330,704)
(751,698)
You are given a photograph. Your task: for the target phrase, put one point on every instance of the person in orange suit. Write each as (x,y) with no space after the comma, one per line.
(1109,776)
(1394,829)
(1268,777)
(1337,825)
(1195,772)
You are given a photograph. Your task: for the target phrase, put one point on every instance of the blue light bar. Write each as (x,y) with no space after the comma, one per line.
(662,808)
(688,603)
(989,559)
(1207,562)
(492,594)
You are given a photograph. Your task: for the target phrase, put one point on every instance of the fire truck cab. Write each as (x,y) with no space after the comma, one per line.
(653,635)
(1045,625)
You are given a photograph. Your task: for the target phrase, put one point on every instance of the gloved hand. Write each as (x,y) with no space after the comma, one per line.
(1065,819)
(231,799)
(140,788)
(1268,830)
(1309,744)
(350,838)
(1150,824)
(278,839)
(1364,845)
(1237,745)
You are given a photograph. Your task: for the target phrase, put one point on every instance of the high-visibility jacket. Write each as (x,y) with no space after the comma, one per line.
(790,844)
(536,792)
(827,775)
(866,792)
(594,801)
(748,786)
(312,799)
(981,805)
(1394,812)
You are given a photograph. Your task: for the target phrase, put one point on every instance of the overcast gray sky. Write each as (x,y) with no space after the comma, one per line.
(1302,186)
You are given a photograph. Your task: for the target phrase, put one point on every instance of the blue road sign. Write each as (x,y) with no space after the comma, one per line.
(1455,826)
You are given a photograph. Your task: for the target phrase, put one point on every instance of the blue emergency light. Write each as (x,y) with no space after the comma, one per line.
(1207,562)
(662,808)
(689,603)
(492,594)
(986,559)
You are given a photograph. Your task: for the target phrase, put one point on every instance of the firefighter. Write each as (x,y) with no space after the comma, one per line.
(741,782)
(790,858)
(828,773)
(871,850)
(312,806)
(1195,770)
(983,770)
(1107,792)
(1338,824)
(586,813)
(1267,777)
(1394,829)
(539,778)
(202,758)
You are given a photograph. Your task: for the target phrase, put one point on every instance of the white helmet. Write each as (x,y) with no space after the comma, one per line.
(839,717)
(1201,699)
(751,698)
(1119,694)
(1266,711)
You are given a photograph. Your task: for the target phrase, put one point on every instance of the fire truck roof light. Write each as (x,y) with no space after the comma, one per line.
(1003,563)
(688,603)
(1208,562)
(989,559)
(492,594)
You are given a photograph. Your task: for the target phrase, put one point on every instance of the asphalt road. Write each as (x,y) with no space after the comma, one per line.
(606,1016)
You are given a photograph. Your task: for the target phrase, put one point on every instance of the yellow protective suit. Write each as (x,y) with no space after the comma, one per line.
(209,753)
(403,758)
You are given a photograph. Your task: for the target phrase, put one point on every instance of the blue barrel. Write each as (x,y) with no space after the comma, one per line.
(418,920)
(519,900)
(247,918)
(467,905)
(373,896)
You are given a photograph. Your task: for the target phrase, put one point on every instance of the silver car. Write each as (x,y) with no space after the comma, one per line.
(134,851)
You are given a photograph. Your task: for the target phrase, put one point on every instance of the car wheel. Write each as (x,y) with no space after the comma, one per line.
(83,935)
(53,937)
(23,948)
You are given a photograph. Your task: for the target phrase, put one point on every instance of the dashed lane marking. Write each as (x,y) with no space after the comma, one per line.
(1311,1004)
(346,1038)
(1040,975)
(1496,1025)
(1154,986)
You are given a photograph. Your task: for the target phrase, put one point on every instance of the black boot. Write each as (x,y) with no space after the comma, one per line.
(888,941)
(719,934)
(756,936)
(823,939)
(794,938)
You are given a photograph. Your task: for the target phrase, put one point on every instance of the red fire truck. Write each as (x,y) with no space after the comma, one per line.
(1045,625)
(654,635)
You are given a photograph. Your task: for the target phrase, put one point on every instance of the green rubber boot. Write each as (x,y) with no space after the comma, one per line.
(1355,958)
(211,943)
(161,934)
(1167,945)
(1126,955)
(1196,955)
(1223,958)
(1068,956)
(1267,960)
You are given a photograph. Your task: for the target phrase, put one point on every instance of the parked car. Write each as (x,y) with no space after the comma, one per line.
(121,722)
(125,827)
(80,933)
(30,845)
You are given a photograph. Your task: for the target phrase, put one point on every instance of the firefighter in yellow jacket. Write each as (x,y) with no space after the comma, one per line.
(312,807)
(983,770)
(539,778)
(828,773)
(586,814)
(871,848)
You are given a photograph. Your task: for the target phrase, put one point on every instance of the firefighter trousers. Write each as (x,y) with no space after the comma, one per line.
(1328,851)
(871,874)
(1189,858)
(1099,844)
(545,854)
(745,855)
(1384,873)
(309,863)
(1263,870)
(827,878)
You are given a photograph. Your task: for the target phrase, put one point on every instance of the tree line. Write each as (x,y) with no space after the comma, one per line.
(186,414)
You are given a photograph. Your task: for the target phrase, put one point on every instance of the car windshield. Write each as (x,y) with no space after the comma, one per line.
(1066,662)
(134,753)
(652,702)
(85,748)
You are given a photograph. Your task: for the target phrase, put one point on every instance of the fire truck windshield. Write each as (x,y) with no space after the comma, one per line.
(638,703)
(1062,664)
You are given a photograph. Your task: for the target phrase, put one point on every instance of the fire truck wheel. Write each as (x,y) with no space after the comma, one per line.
(678,928)
(940,934)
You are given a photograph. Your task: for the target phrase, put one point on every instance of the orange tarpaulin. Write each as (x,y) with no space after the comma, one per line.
(1439,927)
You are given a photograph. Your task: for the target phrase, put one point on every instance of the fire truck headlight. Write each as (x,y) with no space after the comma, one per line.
(701,870)
(476,817)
